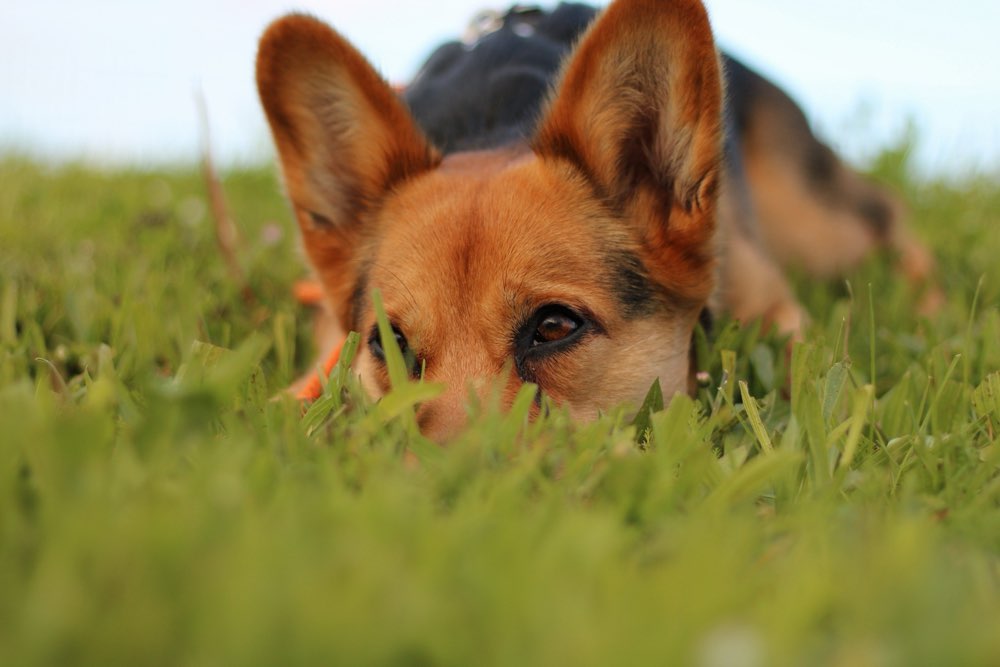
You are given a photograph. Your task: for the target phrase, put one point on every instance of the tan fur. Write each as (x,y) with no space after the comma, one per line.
(611,212)
(482,260)
(817,222)
(798,229)
(612,94)
(344,139)
(752,285)
(625,163)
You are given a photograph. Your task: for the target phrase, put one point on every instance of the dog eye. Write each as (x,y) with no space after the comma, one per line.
(550,331)
(554,327)
(320,221)
(375,346)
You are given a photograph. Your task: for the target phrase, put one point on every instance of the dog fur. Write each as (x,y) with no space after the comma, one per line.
(560,202)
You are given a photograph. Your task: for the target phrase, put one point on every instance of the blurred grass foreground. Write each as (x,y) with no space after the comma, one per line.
(157,508)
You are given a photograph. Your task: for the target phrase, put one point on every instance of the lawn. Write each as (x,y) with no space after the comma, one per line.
(158,507)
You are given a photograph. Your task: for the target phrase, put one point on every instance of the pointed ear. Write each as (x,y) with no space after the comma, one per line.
(639,111)
(344,139)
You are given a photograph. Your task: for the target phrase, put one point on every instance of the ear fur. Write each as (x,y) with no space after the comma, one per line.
(639,111)
(344,139)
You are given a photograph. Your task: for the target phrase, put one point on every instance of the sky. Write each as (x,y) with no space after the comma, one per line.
(114,81)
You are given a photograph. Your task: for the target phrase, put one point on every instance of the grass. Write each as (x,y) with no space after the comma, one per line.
(156,507)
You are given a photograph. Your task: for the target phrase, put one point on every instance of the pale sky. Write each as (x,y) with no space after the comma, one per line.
(114,80)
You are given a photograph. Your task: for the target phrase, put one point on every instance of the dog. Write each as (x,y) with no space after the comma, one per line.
(559,200)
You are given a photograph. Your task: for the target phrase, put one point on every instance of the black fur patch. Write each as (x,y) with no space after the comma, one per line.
(742,86)
(878,214)
(490,93)
(631,285)
(707,321)
(358,295)
(821,165)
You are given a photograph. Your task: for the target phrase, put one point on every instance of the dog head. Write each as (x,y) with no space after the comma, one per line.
(579,261)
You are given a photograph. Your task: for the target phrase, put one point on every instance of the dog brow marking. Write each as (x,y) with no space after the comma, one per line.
(630,284)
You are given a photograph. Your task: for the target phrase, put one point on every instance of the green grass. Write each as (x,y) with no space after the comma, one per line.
(156,507)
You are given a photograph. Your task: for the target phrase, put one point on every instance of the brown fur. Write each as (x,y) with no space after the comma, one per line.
(806,210)
(344,138)
(612,210)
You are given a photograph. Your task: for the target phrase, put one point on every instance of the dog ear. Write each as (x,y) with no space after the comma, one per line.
(638,110)
(344,139)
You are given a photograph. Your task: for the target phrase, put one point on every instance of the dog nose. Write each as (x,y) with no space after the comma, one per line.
(441,418)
